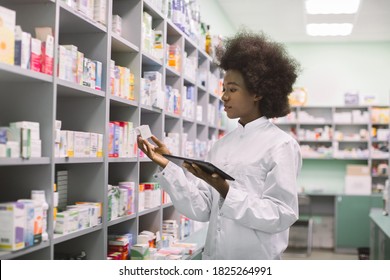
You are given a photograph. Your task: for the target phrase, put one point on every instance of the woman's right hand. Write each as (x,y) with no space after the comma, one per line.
(154,152)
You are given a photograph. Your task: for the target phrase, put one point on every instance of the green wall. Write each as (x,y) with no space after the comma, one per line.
(331,69)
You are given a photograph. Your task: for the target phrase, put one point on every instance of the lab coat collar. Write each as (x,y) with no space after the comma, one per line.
(253,125)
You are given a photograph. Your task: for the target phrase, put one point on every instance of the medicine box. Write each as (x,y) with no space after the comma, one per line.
(12,226)
(7,35)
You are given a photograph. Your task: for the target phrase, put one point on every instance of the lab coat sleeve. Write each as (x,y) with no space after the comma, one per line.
(277,208)
(191,196)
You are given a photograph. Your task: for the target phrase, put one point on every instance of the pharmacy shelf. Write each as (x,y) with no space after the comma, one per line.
(121,219)
(84,109)
(72,160)
(120,44)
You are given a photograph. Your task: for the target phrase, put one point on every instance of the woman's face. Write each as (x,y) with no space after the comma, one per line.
(238,101)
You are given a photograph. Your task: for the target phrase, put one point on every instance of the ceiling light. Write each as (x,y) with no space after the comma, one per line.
(331,6)
(329,29)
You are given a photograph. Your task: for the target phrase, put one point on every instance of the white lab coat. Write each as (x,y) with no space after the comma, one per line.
(253,221)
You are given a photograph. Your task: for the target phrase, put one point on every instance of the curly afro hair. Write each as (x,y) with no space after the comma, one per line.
(267,69)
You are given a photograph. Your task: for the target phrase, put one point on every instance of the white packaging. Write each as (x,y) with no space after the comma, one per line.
(62,225)
(12,226)
(144,131)
(3,150)
(96,211)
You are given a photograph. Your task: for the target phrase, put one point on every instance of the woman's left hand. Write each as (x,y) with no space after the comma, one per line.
(216,181)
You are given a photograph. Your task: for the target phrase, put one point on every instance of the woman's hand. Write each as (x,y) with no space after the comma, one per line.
(216,181)
(154,152)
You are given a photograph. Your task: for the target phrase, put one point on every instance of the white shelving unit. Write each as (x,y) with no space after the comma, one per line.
(31,96)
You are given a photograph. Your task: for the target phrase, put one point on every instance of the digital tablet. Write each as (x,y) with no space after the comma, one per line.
(204,165)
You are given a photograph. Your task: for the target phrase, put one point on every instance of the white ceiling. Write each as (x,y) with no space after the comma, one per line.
(285,20)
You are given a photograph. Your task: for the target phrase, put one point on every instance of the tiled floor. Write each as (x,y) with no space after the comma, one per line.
(319,254)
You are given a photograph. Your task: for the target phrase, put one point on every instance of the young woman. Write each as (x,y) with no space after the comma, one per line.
(251,216)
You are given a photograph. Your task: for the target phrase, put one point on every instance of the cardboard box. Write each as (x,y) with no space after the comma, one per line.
(358,170)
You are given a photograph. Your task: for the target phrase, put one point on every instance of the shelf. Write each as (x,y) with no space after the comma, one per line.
(12,73)
(20,161)
(172,72)
(58,238)
(81,108)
